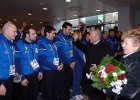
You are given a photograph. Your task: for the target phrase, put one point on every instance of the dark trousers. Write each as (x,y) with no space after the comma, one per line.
(16,95)
(9,87)
(30,92)
(95,94)
(50,85)
(65,82)
(84,82)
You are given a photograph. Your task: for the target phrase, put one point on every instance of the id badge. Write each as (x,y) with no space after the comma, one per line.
(34,64)
(71,53)
(56,61)
(12,70)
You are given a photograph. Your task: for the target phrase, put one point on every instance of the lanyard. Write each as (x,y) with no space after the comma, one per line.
(13,55)
(66,43)
(6,52)
(54,51)
(28,51)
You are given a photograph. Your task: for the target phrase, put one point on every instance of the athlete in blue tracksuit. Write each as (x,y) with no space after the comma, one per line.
(49,60)
(86,39)
(78,70)
(26,60)
(67,57)
(7,65)
(112,41)
(118,45)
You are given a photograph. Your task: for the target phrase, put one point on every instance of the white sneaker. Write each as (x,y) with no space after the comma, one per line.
(80,96)
(75,98)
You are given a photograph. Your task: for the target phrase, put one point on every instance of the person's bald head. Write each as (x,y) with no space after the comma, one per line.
(95,36)
(10,31)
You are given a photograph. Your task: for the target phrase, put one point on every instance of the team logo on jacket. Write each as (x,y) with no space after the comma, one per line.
(36,50)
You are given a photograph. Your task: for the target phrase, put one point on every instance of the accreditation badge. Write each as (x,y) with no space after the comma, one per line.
(34,64)
(56,61)
(12,70)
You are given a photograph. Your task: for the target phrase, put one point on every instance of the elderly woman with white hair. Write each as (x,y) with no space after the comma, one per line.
(131,49)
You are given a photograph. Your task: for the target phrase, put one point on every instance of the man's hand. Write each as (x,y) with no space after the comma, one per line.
(40,75)
(92,67)
(60,67)
(72,65)
(24,82)
(115,55)
(2,90)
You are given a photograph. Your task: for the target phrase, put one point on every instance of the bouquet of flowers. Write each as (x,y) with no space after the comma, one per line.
(109,73)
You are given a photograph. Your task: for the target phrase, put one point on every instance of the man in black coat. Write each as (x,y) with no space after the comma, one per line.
(94,51)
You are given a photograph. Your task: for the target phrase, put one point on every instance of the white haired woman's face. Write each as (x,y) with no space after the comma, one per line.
(129,46)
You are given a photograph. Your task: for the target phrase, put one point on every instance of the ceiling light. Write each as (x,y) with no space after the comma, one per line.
(58,18)
(68,0)
(41,3)
(74,15)
(40,22)
(0,19)
(31,24)
(98,10)
(44,8)
(1,24)
(29,14)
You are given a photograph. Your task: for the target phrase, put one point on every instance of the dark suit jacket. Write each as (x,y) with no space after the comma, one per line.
(94,55)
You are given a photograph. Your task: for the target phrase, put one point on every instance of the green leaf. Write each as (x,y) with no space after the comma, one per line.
(96,79)
(98,85)
(115,78)
(108,86)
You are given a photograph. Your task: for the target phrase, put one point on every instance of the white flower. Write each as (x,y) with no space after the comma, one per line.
(124,81)
(117,89)
(117,83)
(104,74)
(89,76)
(104,91)
(101,67)
(122,72)
(112,83)
(114,74)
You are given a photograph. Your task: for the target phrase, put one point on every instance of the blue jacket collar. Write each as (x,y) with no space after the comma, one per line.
(26,42)
(47,40)
(111,37)
(65,36)
(10,42)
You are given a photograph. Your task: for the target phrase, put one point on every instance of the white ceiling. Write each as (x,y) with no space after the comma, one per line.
(18,9)
(134,4)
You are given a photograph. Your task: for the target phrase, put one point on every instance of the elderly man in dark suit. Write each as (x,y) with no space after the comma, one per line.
(95,51)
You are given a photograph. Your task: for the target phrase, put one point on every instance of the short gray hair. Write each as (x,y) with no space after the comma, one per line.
(98,33)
